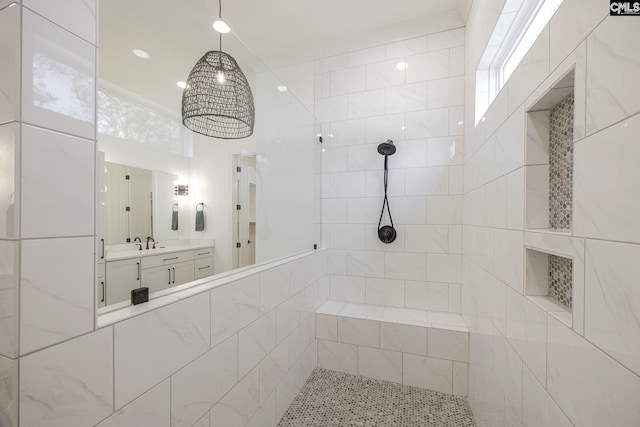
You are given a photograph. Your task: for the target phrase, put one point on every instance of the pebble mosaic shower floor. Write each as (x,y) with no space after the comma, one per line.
(331,398)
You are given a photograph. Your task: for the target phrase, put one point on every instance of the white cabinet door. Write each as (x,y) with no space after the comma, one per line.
(203,267)
(166,276)
(157,278)
(122,276)
(101,293)
(182,273)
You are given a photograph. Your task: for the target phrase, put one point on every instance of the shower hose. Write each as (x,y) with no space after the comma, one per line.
(385,202)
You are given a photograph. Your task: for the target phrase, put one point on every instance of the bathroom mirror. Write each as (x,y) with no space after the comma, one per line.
(144,55)
(139,203)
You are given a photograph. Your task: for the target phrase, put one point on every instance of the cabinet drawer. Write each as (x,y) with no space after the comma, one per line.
(204,267)
(164,259)
(203,253)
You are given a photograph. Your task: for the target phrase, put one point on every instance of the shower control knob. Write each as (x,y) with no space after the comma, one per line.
(387,234)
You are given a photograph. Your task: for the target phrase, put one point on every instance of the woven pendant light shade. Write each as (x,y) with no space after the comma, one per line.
(217,100)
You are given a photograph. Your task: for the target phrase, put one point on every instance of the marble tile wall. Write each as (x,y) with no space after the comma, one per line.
(47,153)
(223,356)
(532,363)
(363,99)
(183,364)
(433,357)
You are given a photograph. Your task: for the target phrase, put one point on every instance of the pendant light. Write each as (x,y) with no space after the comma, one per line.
(217,99)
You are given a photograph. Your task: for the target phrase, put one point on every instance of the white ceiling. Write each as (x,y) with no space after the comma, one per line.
(177,34)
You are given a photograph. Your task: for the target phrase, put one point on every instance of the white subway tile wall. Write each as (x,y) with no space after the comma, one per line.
(411,92)
(531,362)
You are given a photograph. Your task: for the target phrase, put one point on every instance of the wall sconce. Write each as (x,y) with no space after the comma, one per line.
(181,190)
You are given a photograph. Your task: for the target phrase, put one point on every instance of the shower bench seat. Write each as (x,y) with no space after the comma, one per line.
(420,348)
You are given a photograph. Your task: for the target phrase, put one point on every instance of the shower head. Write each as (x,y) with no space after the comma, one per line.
(387,148)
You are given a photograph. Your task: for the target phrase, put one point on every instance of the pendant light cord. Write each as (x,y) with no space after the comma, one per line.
(386,200)
(220,18)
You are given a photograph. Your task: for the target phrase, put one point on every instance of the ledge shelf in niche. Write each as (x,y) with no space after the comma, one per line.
(549,283)
(549,160)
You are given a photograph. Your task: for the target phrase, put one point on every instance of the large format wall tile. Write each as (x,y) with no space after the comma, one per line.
(526,332)
(590,387)
(274,287)
(9,289)
(77,16)
(57,178)
(533,69)
(233,307)
(606,195)
(273,368)
(238,406)
(58,78)
(10,65)
(538,408)
(9,168)
(427,372)
(380,364)
(568,28)
(8,391)
(256,341)
(338,356)
(70,384)
(612,63)
(201,384)
(154,345)
(152,408)
(56,292)
(612,300)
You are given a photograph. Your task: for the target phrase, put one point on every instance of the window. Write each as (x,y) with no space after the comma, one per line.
(518,27)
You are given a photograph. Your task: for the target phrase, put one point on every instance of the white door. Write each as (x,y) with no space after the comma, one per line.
(244,206)
(140,201)
(183,273)
(122,277)
(157,278)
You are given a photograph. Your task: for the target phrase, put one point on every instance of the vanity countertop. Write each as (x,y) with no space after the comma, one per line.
(117,255)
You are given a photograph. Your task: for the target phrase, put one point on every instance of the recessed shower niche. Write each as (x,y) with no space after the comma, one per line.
(549,159)
(550,276)
(554,258)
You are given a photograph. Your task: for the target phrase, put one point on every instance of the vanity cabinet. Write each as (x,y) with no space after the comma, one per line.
(167,270)
(101,286)
(156,272)
(122,277)
(203,262)
(166,276)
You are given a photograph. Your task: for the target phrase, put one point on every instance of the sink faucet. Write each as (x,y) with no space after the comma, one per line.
(154,242)
(137,239)
(139,246)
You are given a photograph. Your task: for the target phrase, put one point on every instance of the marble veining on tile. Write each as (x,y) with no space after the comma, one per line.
(330,398)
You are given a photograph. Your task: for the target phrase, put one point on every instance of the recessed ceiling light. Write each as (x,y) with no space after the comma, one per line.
(461,123)
(318,135)
(182,85)
(402,66)
(282,88)
(141,54)
(221,27)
